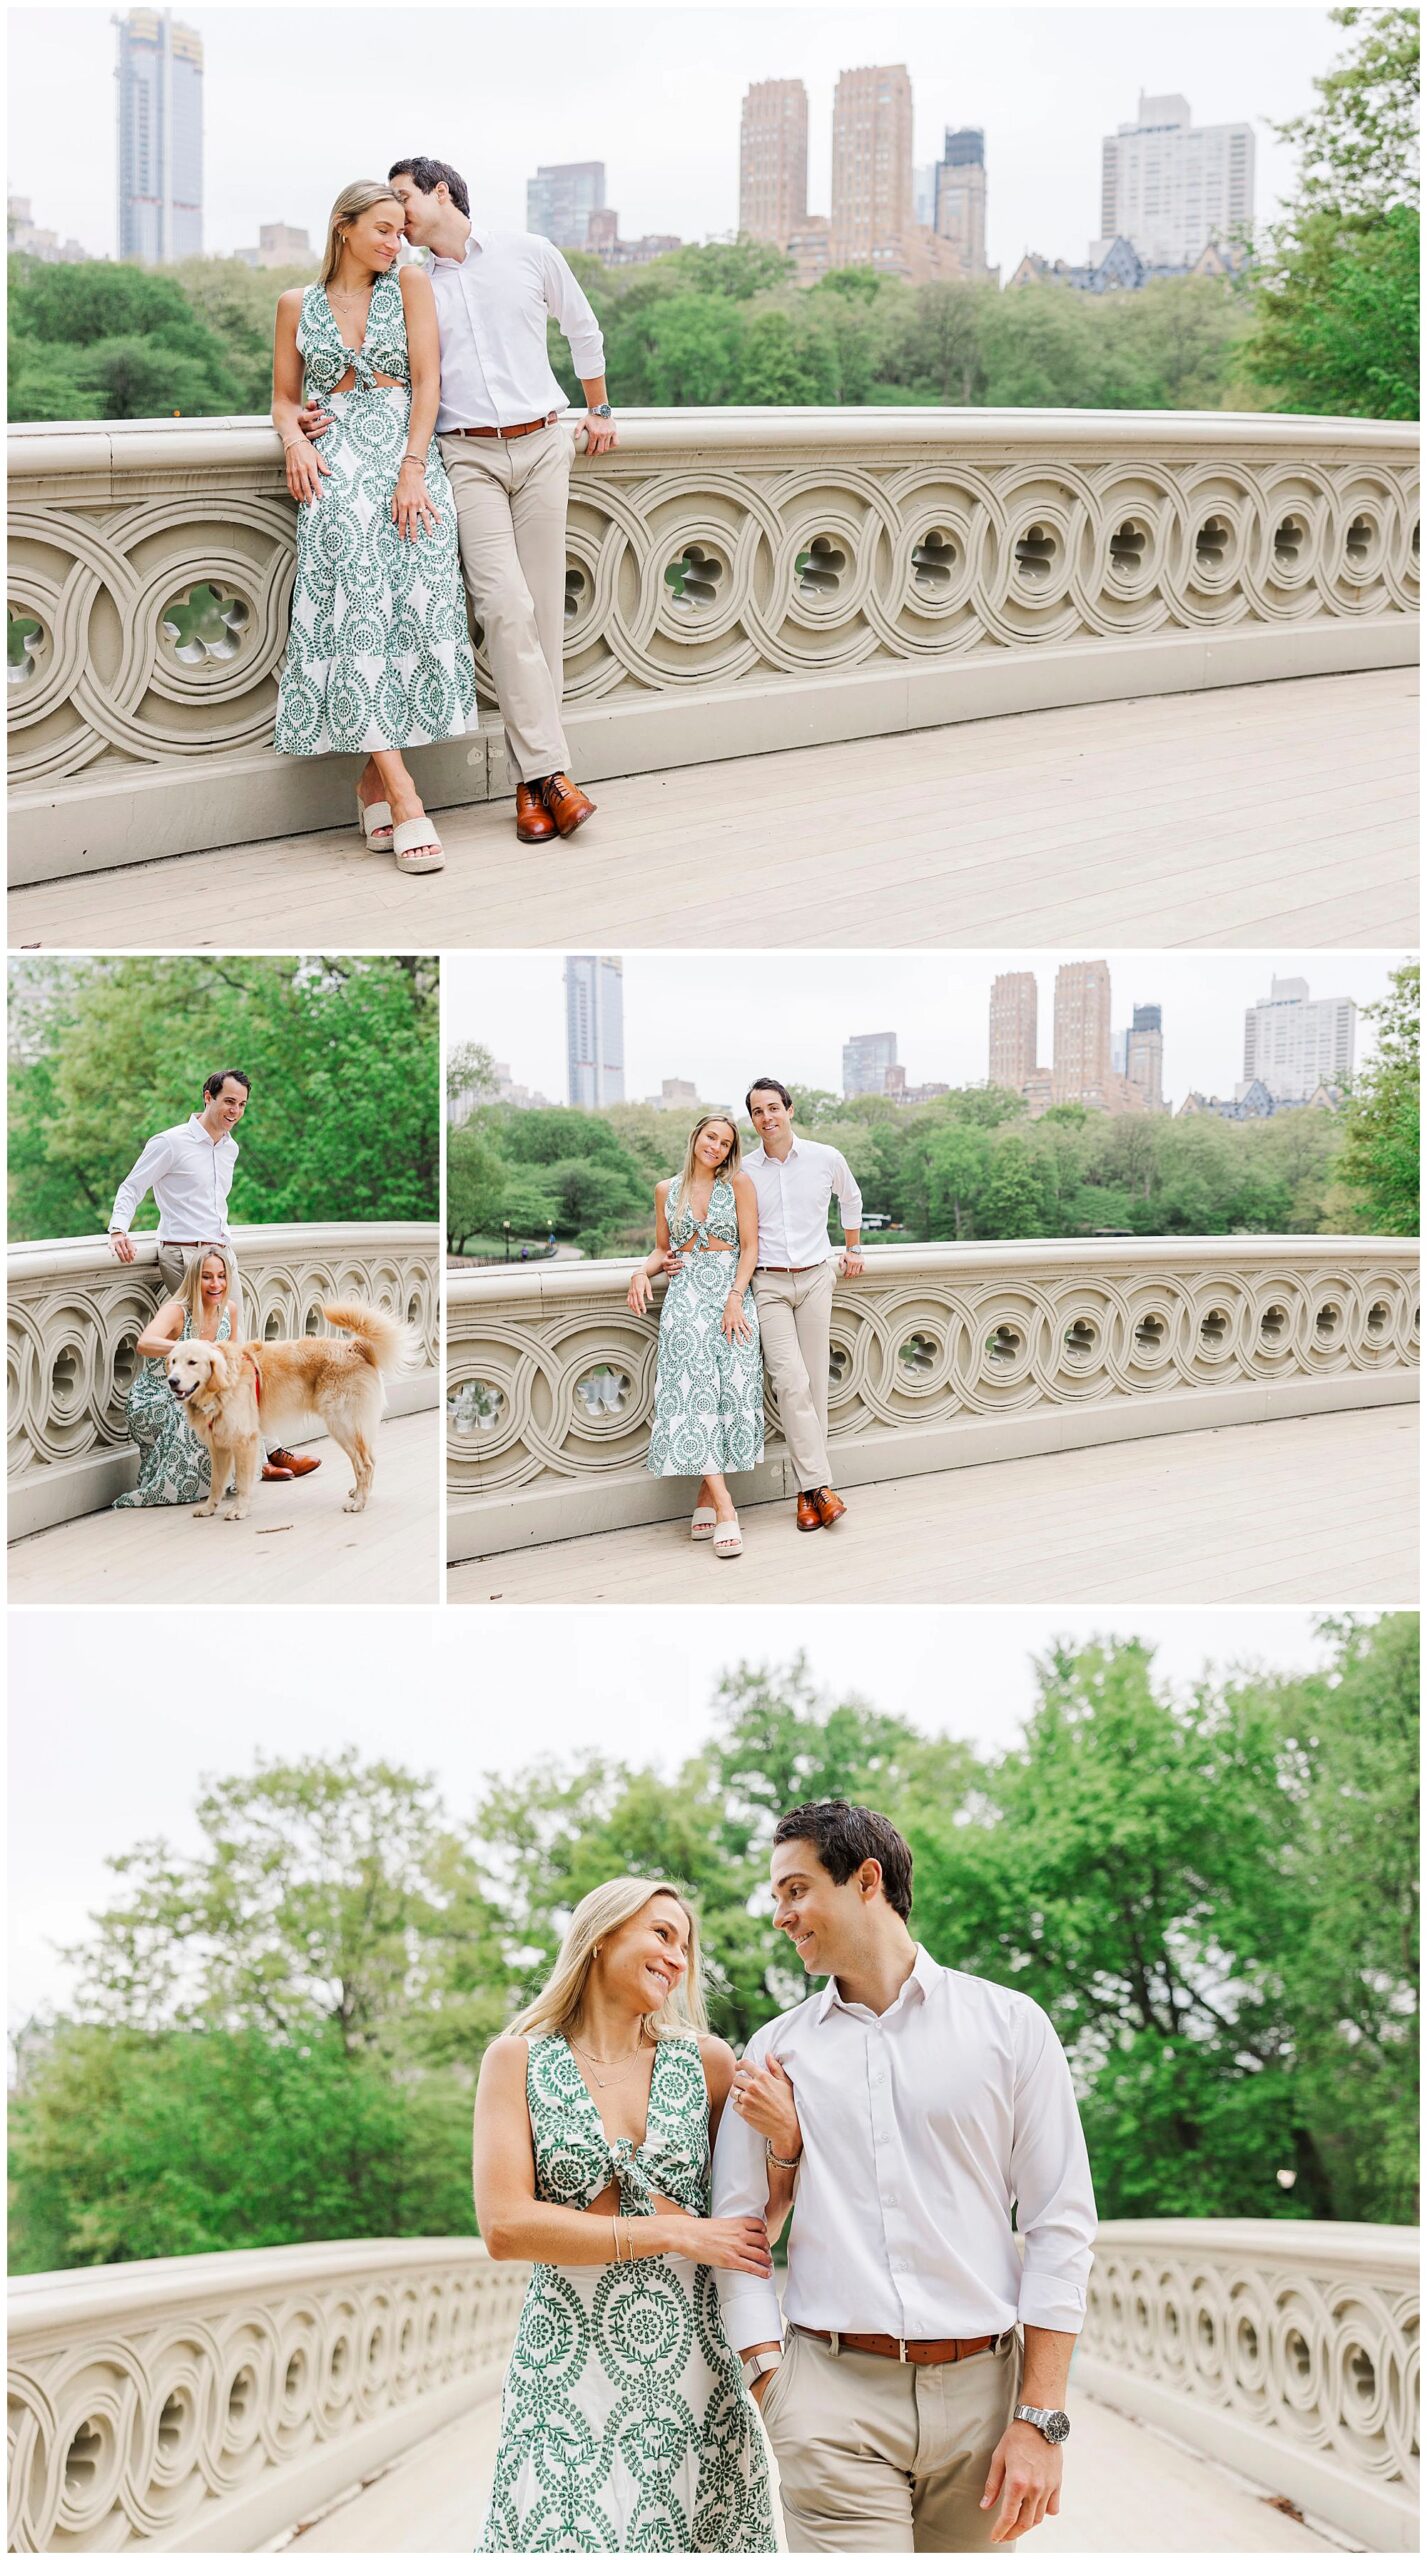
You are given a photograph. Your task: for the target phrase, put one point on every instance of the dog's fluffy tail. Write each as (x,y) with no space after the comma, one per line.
(381,1338)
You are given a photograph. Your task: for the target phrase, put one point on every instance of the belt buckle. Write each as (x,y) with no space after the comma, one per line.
(901,2351)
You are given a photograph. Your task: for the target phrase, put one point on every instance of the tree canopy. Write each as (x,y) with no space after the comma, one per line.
(343,1121)
(967,1166)
(1212,1894)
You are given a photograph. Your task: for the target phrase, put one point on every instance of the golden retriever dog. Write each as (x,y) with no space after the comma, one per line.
(237,1395)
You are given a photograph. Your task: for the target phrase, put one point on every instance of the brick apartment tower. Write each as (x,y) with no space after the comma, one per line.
(872,194)
(1013,1028)
(1081,1065)
(773,161)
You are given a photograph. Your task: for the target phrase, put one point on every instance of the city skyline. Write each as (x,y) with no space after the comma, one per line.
(1038,82)
(718,1022)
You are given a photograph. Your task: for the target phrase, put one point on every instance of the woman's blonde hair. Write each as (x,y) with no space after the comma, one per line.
(557,2008)
(356,199)
(732,1160)
(190,1296)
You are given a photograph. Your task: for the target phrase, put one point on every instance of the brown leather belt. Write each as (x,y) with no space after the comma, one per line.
(904,2350)
(505,433)
(791,1271)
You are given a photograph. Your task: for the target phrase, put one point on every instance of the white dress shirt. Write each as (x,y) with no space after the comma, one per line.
(190,1177)
(792,1203)
(921,2129)
(490,311)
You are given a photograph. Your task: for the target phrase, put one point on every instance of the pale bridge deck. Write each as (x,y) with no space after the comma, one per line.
(1127,2489)
(297,1543)
(1270,1511)
(1272,814)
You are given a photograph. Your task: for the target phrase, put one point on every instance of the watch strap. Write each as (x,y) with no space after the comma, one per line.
(766,2361)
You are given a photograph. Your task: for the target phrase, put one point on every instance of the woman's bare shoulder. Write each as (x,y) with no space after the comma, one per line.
(504,2061)
(414,282)
(718,2061)
(290,302)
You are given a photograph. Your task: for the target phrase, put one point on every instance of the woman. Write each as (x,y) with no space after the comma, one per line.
(378,654)
(625,2422)
(708,1388)
(173,1462)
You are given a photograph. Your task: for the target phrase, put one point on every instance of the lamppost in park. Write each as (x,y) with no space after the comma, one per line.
(505,1229)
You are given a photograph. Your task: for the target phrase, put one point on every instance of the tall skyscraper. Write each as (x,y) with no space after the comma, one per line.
(959,213)
(1294,1042)
(866,1059)
(594,1029)
(160,101)
(773,161)
(872,167)
(1013,1028)
(1144,1054)
(559,201)
(1080,1063)
(1169,186)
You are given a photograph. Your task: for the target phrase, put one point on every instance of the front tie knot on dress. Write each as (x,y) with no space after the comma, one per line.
(378,650)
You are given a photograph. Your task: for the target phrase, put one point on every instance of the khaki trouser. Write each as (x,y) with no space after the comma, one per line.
(511,500)
(878,2456)
(795,1319)
(175,1263)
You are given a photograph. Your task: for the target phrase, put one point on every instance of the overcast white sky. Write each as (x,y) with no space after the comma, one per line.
(301,100)
(118,1722)
(720,1019)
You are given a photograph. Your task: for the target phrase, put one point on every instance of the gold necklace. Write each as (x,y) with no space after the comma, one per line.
(597,2062)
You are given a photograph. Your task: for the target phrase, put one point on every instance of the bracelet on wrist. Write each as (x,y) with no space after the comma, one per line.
(779,2163)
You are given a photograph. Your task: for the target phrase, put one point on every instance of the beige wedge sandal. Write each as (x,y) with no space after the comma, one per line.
(704,1521)
(728,1539)
(374,819)
(417,846)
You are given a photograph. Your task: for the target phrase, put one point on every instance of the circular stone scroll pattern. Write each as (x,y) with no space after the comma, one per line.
(576,1389)
(138,2432)
(703,573)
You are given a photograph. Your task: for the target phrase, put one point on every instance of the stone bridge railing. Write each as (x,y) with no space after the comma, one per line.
(1288,2350)
(942,1356)
(211,2404)
(74,1315)
(737,580)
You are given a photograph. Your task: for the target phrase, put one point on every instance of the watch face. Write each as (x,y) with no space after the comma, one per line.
(1056,2427)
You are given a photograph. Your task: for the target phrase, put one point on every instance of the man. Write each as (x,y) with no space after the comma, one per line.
(508,456)
(904,2413)
(189,1170)
(797,1272)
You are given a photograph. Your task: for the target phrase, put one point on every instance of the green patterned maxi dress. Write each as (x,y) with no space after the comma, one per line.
(173,1462)
(625,2423)
(378,653)
(708,1391)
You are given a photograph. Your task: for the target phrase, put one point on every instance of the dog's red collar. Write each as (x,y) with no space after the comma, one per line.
(257,1377)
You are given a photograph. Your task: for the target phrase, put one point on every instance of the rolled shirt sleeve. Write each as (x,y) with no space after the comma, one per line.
(849,1197)
(567,302)
(1050,2176)
(740,2185)
(152,1165)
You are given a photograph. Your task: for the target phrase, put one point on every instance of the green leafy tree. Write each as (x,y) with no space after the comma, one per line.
(343,1053)
(1337,309)
(1380,1158)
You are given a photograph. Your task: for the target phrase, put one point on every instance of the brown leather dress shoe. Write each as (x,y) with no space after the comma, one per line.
(276,1475)
(830,1506)
(566,802)
(533,822)
(285,1463)
(809,1516)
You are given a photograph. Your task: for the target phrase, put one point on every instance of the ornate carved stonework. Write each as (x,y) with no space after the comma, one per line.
(550,1378)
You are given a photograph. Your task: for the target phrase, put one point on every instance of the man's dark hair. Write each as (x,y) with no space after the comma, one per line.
(428,174)
(215,1083)
(768,1084)
(844,1835)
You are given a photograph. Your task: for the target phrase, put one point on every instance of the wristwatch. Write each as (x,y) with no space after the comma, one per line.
(754,2367)
(1052,2423)
(603,411)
